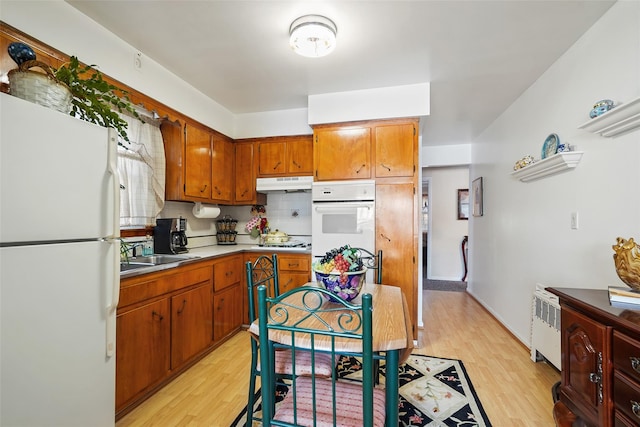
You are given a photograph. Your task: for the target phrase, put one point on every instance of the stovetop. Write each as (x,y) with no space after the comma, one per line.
(291,244)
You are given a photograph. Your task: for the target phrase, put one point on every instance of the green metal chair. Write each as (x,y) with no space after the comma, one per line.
(312,400)
(264,272)
(372,262)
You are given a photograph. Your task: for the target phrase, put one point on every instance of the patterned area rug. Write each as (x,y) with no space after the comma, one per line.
(434,392)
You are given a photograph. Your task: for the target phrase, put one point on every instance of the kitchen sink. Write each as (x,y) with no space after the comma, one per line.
(152,260)
(159,259)
(134,265)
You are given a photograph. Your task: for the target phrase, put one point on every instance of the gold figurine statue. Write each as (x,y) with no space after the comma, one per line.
(627,261)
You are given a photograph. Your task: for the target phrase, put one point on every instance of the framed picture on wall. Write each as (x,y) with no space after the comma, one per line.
(463,203)
(476,190)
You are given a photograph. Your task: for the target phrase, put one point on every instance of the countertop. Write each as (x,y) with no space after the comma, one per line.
(210,252)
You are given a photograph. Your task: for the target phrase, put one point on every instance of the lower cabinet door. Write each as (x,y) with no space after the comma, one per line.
(142,356)
(228,311)
(191,323)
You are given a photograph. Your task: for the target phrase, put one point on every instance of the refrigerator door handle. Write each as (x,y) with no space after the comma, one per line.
(112,168)
(114,239)
(115,299)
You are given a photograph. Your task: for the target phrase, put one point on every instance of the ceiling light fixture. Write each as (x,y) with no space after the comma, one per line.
(313,36)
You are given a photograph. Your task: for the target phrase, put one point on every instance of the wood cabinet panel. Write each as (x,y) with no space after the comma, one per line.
(395,150)
(300,156)
(191,323)
(583,358)
(143,340)
(222,162)
(227,272)
(271,158)
(245,175)
(342,153)
(197,167)
(394,236)
(285,156)
(228,311)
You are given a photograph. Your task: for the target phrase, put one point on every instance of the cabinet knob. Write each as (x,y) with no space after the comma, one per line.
(360,168)
(276,166)
(635,363)
(203,188)
(385,166)
(594,378)
(156,314)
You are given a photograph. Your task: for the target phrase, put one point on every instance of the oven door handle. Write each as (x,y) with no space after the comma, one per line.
(339,209)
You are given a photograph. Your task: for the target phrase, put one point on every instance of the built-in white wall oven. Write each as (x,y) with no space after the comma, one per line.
(343,213)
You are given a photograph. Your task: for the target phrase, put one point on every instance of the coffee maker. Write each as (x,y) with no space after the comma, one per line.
(169,236)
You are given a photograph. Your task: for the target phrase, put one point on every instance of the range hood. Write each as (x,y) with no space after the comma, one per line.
(285,184)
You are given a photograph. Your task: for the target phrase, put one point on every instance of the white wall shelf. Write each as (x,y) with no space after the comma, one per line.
(623,118)
(555,164)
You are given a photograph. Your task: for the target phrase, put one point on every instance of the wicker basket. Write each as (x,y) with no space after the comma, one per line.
(41,88)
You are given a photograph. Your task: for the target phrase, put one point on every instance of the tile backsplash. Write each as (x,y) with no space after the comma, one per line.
(288,212)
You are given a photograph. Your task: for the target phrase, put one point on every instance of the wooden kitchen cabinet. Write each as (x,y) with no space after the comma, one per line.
(197,163)
(163,325)
(395,149)
(201,165)
(285,156)
(228,309)
(600,375)
(188,160)
(293,270)
(245,176)
(227,298)
(396,237)
(222,162)
(191,323)
(142,349)
(342,152)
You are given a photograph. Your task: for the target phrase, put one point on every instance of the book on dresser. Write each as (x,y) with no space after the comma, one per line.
(624,296)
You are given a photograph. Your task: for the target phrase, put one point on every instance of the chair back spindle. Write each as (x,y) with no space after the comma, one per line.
(303,320)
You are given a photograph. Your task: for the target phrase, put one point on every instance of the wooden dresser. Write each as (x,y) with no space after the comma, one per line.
(600,361)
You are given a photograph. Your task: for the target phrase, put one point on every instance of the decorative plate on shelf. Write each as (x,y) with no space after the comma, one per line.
(550,146)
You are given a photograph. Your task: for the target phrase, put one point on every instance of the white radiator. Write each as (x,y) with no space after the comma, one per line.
(545,327)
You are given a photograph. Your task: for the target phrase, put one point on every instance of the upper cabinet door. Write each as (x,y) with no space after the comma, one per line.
(197,168)
(222,159)
(342,153)
(395,147)
(300,156)
(271,158)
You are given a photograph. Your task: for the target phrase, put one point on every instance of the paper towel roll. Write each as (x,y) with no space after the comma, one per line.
(205,211)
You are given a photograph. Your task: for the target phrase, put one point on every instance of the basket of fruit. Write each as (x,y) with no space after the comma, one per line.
(342,272)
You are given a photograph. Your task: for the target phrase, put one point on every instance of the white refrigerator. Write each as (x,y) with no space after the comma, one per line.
(59,268)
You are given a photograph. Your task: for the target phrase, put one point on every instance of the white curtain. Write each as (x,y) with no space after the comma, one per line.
(141,164)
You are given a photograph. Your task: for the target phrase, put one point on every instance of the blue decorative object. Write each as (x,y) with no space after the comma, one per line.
(20,53)
(601,107)
(550,146)
(346,285)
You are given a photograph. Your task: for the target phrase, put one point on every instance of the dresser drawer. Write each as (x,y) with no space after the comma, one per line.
(626,396)
(626,355)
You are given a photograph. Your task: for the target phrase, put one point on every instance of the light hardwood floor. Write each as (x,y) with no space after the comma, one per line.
(513,390)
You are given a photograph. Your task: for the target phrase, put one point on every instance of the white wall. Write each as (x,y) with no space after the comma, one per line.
(368,104)
(524,236)
(444,258)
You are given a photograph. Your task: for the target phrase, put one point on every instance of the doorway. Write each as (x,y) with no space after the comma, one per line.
(425,225)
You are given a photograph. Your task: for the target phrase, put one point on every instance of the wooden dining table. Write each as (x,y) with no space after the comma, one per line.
(391,335)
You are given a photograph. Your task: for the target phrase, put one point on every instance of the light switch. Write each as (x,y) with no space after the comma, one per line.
(574,220)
